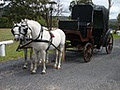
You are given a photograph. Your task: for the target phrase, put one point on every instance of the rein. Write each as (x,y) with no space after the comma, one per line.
(38,40)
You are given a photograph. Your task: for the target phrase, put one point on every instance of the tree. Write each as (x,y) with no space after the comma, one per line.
(31,9)
(59,9)
(118,19)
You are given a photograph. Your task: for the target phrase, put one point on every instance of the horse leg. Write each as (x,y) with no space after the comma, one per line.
(43,53)
(56,60)
(34,63)
(63,54)
(47,57)
(25,56)
(31,58)
(60,56)
(31,53)
(40,59)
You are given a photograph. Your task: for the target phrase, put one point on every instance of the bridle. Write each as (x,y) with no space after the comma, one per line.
(19,28)
(29,40)
(25,30)
(37,39)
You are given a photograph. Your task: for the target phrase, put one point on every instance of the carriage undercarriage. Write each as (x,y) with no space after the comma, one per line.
(87,45)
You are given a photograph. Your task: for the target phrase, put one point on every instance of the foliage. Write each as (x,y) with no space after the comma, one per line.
(41,20)
(113,24)
(38,10)
(59,9)
(30,9)
(4,22)
(115,36)
(118,18)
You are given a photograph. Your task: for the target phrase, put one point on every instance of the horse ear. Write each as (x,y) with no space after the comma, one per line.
(22,20)
(20,23)
(14,23)
(26,20)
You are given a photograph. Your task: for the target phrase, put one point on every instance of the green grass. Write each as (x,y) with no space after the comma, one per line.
(5,34)
(115,36)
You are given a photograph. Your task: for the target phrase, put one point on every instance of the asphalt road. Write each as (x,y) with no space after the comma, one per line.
(102,73)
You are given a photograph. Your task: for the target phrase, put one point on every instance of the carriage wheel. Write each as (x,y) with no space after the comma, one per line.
(87,52)
(109,44)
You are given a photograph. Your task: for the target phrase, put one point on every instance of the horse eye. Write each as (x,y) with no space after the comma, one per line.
(25,30)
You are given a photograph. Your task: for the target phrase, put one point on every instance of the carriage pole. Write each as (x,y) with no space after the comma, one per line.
(51,9)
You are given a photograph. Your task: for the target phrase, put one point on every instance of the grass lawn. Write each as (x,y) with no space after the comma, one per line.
(11,53)
(115,36)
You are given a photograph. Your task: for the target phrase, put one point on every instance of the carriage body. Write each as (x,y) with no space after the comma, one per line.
(88,24)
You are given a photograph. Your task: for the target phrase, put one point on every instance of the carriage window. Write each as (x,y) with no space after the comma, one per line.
(98,20)
(83,13)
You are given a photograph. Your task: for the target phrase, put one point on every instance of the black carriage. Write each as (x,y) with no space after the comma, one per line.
(88,29)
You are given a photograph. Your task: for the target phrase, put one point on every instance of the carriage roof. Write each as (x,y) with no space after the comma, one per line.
(98,15)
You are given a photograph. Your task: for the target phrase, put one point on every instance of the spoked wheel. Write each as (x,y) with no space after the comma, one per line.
(109,44)
(88,52)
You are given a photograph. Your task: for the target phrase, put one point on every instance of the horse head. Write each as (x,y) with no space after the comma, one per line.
(16,31)
(24,30)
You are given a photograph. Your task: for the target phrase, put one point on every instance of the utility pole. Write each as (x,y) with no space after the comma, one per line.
(51,9)
(110,3)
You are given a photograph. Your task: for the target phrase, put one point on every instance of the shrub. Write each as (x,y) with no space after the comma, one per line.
(4,22)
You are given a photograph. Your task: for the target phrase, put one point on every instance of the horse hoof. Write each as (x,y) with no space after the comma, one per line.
(58,67)
(47,61)
(24,67)
(43,72)
(33,72)
(55,66)
(39,62)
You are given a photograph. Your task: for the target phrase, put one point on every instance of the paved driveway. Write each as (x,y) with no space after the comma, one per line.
(102,73)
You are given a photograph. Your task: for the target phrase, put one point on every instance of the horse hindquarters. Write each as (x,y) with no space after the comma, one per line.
(61,56)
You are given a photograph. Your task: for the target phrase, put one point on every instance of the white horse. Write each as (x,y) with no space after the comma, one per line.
(42,41)
(16,33)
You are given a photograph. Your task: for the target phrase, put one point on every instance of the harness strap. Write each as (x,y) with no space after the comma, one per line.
(51,39)
(39,40)
(18,48)
(23,45)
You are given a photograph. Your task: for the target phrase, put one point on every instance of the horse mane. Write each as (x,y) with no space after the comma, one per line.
(35,22)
